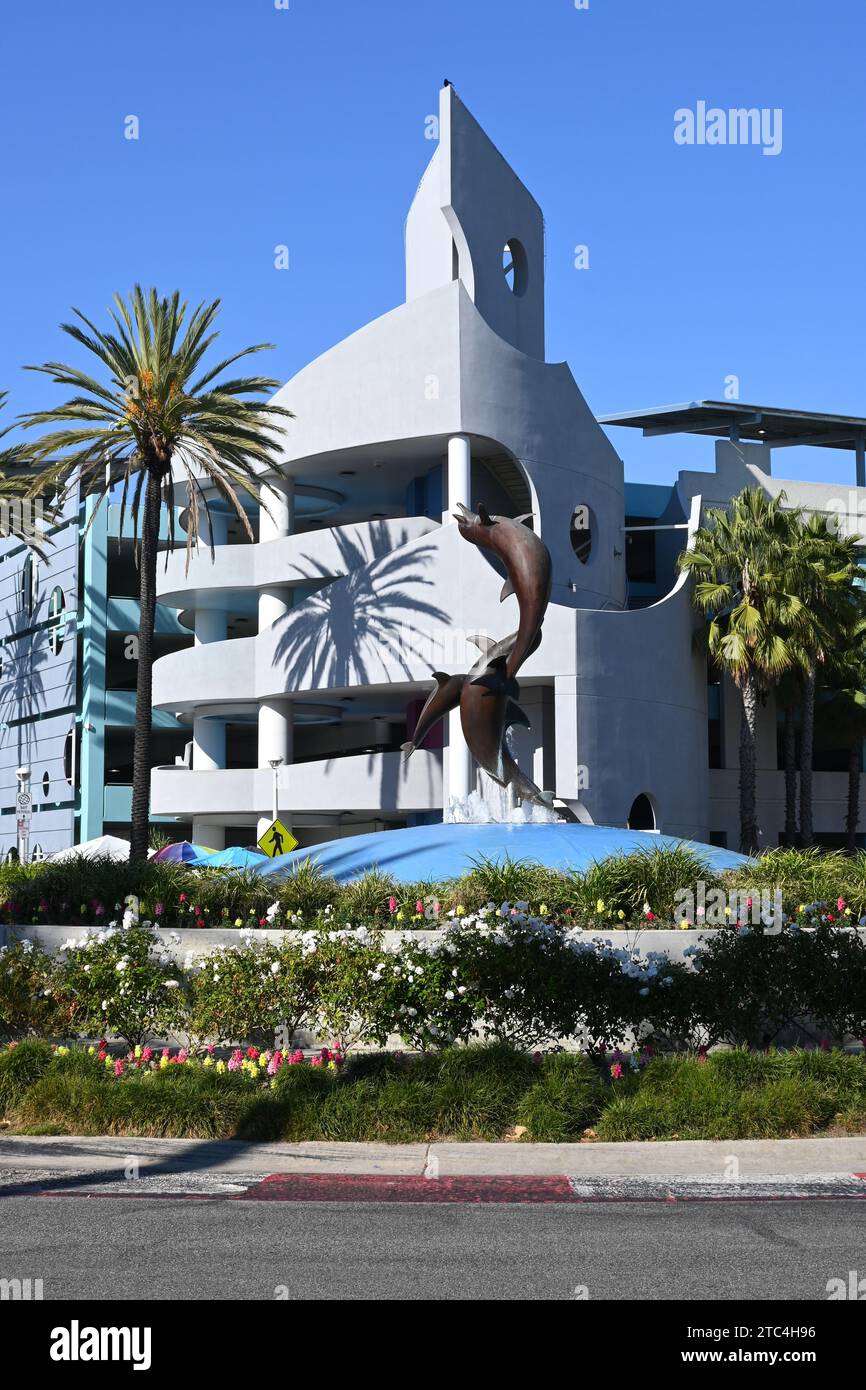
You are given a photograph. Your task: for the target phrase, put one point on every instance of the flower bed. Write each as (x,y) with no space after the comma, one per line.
(461,1093)
(655,888)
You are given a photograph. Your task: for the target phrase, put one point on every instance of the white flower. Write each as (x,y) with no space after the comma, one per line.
(171,984)
(275,967)
(449,994)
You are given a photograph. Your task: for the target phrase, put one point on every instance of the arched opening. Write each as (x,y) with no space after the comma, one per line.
(515,266)
(56,619)
(642,815)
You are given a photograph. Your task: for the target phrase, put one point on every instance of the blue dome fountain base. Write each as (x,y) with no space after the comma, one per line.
(437,852)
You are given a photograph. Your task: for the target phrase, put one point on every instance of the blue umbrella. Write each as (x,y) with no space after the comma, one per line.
(234,858)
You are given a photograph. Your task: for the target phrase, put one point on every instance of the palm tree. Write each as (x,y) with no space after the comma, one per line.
(148,422)
(739,560)
(15,517)
(846,708)
(826,564)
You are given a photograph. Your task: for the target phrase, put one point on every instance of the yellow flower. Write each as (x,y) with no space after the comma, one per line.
(91,1050)
(599,907)
(461,910)
(238,922)
(400,915)
(684,925)
(163,1063)
(543,910)
(220,1067)
(208,1062)
(263,1061)
(727,912)
(137,1050)
(621,915)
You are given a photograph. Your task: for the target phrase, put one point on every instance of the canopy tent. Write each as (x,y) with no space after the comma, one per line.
(233,858)
(103,847)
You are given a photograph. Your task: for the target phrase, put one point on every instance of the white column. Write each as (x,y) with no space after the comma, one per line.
(207,835)
(457,781)
(208,744)
(458,475)
(276,740)
(278,496)
(274,604)
(210,626)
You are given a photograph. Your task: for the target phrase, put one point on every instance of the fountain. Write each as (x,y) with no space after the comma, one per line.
(507,814)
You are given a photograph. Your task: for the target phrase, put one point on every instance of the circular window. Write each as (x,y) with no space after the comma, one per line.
(581,532)
(514,266)
(642,815)
(56,619)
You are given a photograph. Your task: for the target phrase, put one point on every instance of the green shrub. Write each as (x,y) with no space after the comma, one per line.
(31,1000)
(564,1100)
(246,993)
(121,980)
(20,1067)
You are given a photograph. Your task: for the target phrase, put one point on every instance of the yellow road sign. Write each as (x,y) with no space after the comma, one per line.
(277,839)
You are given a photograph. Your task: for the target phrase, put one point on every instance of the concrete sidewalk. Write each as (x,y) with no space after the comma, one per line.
(756,1160)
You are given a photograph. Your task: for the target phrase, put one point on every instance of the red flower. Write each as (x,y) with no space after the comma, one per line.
(182,898)
(650,916)
(252,1053)
(199,921)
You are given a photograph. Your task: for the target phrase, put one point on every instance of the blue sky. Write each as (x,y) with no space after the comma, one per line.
(306,127)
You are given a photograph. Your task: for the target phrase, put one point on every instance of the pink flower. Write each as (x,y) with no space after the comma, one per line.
(536,1057)
(159,909)
(183,1055)
(166,1052)
(146,1054)
(275,1063)
(392,904)
(316,1062)
(616,1071)
(840,904)
(702,1057)
(118,1067)
(211,1049)
(419,906)
(182,898)
(99,910)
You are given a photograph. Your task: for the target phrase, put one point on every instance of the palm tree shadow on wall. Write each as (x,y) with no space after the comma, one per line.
(376,603)
(21,684)
(325,641)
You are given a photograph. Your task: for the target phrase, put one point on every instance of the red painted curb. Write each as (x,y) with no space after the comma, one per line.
(350,1187)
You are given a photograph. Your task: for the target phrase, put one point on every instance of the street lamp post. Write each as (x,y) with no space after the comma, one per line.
(275,765)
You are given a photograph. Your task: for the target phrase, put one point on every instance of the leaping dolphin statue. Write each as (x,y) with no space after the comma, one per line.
(527,564)
(444,697)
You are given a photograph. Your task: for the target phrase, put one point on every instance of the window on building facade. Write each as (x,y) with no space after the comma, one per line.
(56,619)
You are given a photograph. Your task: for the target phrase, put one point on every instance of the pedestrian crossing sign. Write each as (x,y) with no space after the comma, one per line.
(277,840)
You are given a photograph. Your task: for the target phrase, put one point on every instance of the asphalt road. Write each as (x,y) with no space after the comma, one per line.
(97,1248)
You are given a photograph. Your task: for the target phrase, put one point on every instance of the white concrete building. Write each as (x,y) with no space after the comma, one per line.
(314,645)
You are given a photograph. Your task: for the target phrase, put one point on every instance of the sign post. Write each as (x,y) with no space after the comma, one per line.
(23,812)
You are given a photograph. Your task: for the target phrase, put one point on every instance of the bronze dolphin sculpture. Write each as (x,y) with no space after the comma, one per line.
(527,564)
(444,697)
(487,710)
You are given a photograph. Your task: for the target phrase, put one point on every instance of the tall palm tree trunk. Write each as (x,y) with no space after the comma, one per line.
(855,758)
(790,754)
(748,772)
(807,739)
(143,696)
